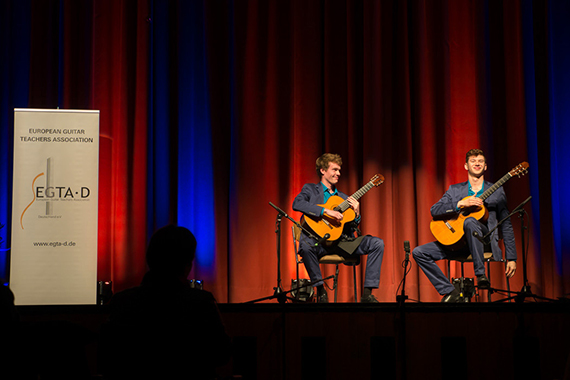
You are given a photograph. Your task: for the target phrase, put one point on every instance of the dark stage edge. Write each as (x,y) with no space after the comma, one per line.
(377,341)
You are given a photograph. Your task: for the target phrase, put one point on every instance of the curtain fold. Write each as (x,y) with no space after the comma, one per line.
(120,91)
(211,110)
(559,81)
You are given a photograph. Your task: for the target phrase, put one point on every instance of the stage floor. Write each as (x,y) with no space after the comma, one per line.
(373,341)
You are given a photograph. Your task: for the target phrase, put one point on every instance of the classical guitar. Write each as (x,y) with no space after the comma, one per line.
(326,225)
(450,231)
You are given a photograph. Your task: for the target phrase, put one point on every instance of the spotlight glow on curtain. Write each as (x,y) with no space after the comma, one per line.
(195,144)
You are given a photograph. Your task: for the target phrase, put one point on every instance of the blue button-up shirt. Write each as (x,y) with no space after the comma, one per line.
(471,193)
(479,193)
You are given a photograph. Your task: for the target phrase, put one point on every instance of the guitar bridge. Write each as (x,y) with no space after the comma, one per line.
(450,227)
(327,223)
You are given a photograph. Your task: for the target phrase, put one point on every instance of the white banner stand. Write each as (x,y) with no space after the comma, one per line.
(54,208)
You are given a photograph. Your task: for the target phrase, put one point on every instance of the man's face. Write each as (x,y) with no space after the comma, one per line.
(476,165)
(331,175)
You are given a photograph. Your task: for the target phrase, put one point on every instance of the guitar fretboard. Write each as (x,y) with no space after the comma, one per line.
(495,186)
(363,190)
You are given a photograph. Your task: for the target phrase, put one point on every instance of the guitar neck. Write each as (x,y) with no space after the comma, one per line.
(495,186)
(363,190)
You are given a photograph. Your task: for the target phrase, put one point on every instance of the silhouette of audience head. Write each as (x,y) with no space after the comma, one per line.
(164,328)
(171,251)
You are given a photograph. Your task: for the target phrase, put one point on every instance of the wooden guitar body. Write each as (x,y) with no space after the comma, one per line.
(450,231)
(326,225)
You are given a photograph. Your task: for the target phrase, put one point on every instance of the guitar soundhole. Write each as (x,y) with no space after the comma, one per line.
(333,222)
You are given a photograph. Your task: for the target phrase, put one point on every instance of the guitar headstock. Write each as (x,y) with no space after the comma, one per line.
(519,170)
(377,180)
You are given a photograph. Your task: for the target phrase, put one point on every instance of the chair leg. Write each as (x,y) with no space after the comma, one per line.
(298,290)
(354,278)
(489,277)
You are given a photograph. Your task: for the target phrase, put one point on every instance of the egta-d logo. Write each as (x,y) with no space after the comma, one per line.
(53,193)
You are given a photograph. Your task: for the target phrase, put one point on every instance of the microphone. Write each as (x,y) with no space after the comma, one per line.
(407,249)
(323,239)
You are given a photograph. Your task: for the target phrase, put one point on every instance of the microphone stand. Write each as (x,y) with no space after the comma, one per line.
(278,290)
(525,291)
(403,297)
(283,293)
(278,293)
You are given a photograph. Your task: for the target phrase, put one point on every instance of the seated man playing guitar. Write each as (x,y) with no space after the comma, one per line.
(312,202)
(469,210)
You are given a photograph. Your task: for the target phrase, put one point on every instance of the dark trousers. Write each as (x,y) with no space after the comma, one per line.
(370,245)
(426,255)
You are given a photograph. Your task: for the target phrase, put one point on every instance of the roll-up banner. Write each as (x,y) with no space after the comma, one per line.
(54,209)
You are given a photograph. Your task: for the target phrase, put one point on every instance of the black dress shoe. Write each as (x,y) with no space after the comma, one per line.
(483,282)
(369,299)
(452,297)
(323,298)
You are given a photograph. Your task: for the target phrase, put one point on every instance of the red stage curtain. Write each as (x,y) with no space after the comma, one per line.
(402,89)
(119,85)
(101,63)
(399,88)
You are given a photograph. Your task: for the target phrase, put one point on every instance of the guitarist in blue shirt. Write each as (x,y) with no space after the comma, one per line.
(310,202)
(457,199)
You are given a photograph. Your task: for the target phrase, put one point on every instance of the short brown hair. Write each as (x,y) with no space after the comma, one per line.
(324,161)
(474,152)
